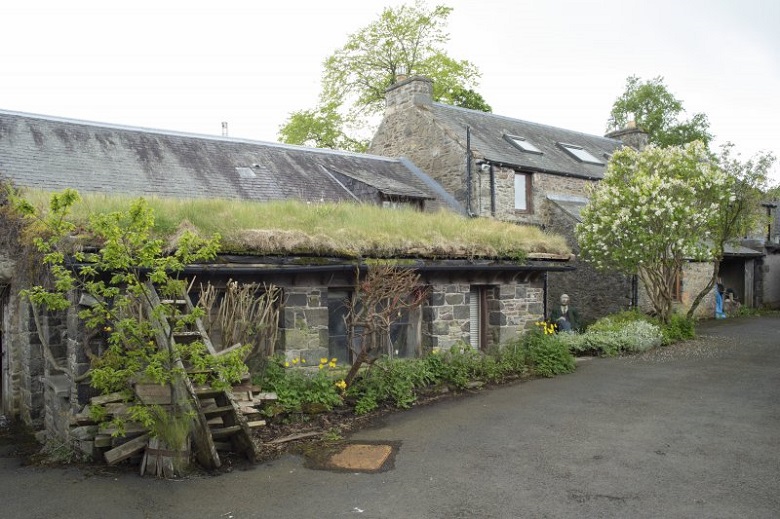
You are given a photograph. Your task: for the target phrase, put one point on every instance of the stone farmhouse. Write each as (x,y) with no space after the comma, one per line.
(528,173)
(480,302)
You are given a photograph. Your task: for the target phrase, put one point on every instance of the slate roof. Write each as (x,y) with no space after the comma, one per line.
(52,153)
(488,142)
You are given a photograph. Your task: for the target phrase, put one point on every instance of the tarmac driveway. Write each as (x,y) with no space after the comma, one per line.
(687,431)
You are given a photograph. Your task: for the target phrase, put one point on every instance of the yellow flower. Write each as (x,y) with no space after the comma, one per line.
(295,361)
(286,364)
(334,359)
(107,329)
(332,364)
(321,366)
(303,361)
(341,385)
(323,360)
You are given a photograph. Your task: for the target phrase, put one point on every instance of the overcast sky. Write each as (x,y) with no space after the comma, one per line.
(188,66)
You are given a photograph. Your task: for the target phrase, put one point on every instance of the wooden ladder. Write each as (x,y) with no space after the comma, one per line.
(219,422)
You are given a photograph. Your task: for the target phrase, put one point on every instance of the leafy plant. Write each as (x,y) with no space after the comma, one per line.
(679,328)
(114,274)
(393,380)
(299,390)
(547,354)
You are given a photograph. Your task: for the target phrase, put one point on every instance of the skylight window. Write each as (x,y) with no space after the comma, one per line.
(580,153)
(522,144)
(245,172)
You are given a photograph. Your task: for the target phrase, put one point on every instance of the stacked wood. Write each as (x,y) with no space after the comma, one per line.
(160,461)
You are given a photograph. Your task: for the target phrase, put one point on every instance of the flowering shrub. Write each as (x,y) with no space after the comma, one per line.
(615,334)
(655,208)
(545,353)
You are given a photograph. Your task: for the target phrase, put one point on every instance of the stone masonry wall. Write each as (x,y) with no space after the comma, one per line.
(305,324)
(541,185)
(408,130)
(695,276)
(512,308)
(770,273)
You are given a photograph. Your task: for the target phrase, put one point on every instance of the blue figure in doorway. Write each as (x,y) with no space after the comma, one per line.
(719,314)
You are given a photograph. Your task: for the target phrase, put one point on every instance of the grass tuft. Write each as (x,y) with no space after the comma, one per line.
(346,229)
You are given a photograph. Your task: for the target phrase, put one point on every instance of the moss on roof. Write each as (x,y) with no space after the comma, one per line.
(330,229)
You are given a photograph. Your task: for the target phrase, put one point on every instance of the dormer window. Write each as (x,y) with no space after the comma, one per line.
(580,153)
(522,144)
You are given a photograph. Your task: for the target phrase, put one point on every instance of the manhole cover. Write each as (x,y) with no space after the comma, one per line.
(355,457)
(362,457)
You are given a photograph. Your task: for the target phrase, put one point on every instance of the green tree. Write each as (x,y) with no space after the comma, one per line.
(657,111)
(654,210)
(404,41)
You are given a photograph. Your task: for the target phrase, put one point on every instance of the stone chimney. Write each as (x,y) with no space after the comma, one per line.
(408,92)
(631,135)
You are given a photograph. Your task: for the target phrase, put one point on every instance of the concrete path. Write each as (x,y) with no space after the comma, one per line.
(687,431)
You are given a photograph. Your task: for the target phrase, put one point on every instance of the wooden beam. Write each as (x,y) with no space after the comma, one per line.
(126,450)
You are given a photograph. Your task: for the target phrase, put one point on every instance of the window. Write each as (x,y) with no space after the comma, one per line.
(245,172)
(522,192)
(401,340)
(478,317)
(338,330)
(580,153)
(522,144)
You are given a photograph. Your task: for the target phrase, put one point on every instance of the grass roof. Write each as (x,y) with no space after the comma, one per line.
(330,229)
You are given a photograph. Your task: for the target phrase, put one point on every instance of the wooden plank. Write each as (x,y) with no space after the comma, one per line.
(116,408)
(102,441)
(105,399)
(178,302)
(242,396)
(130,429)
(216,411)
(207,392)
(224,432)
(246,387)
(261,397)
(153,393)
(229,349)
(256,423)
(126,450)
(293,437)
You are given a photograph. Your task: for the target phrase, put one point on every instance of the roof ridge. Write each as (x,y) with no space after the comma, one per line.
(523,121)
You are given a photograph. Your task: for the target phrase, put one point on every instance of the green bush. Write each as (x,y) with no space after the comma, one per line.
(547,354)
(393,380)
(627,332)
(679,328)
(298,389)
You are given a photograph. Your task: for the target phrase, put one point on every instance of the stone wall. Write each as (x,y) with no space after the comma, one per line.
(770,274)
(511,308)
(542,184)
(695,277)
(406,131)
(304,333)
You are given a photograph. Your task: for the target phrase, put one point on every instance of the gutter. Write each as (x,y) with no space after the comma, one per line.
(537,169)
(333,269)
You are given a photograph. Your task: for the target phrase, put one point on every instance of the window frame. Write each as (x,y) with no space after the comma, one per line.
(529,207)
(522,144)
(580,154)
